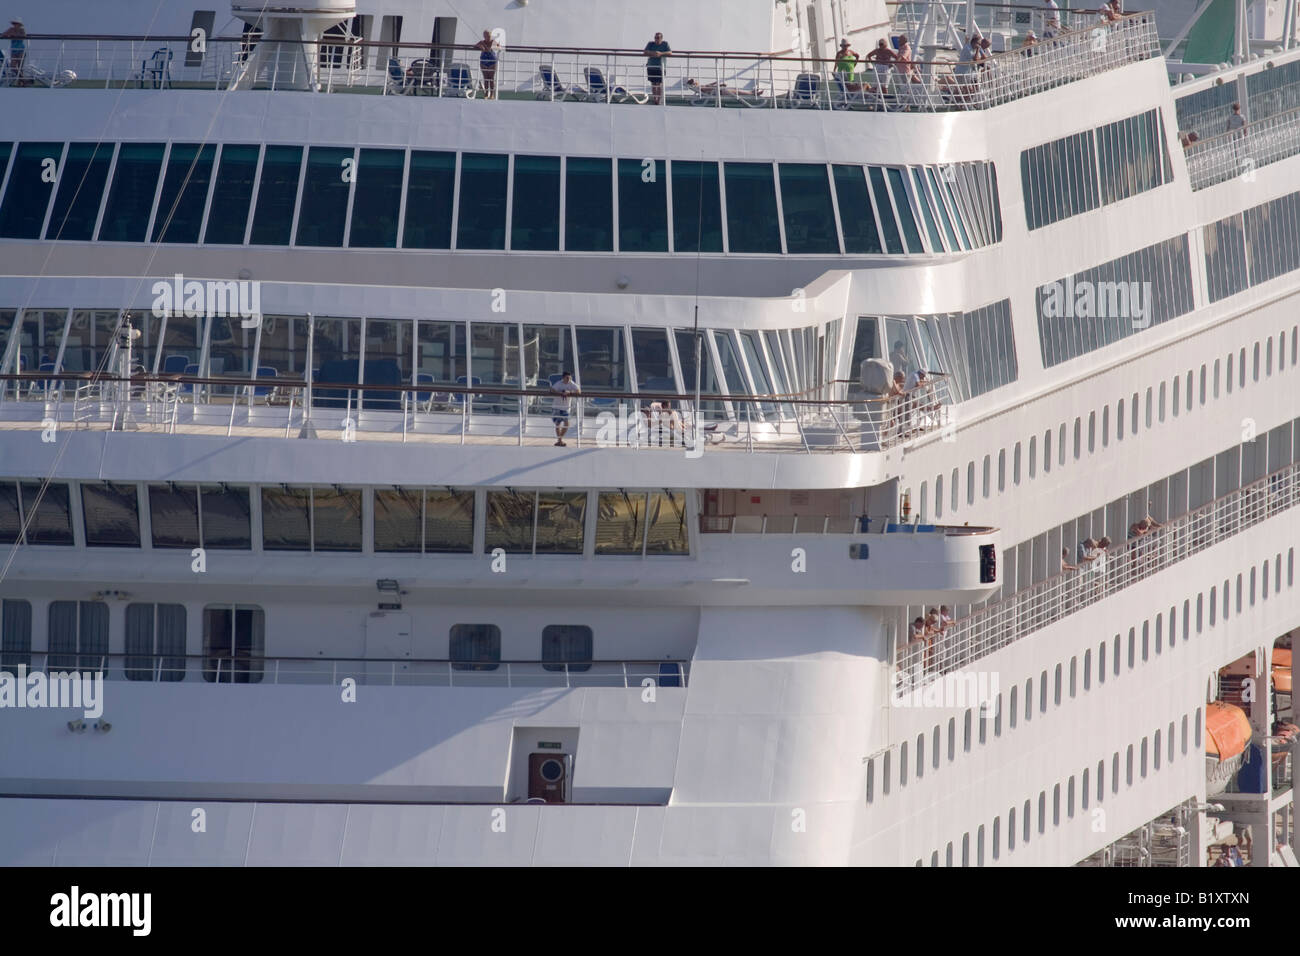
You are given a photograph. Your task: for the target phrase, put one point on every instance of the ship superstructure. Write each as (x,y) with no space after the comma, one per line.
(284,307)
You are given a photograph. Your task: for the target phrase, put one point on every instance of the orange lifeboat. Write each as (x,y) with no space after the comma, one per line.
(1282,670)
(1227,730)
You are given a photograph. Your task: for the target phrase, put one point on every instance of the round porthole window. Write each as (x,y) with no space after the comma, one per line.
(552,770)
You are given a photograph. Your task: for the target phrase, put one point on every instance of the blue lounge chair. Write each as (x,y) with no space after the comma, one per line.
(807,91)
(552,87)
(598,88)
(265,391)
(157,70)
(460,81)
(175,364)
(396,77)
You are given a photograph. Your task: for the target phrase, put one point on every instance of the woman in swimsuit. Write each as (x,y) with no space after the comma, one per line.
(487,62)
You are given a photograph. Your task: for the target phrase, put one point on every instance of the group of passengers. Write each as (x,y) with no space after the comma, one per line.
(882,60)
(910,391)
(1091,554)
(925,629)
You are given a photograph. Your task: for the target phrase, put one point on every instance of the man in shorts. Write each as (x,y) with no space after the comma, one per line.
(656,50)
(562,389)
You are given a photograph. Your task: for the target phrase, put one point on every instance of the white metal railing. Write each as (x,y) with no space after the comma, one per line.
(1035,607)
(597,75)
(826,524)
(643,421)
(370,671)
(1240,153)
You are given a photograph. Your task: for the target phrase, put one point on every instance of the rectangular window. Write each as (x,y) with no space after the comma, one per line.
(904,206)
(80,192)
(130,198)
(234,644)
(111,515)
(666,519)
(227,522)
(806,206)
(448,521)
(509,521)
(231,195)
(398,516)
(336,519)
(561,518)
(620,522)
(277,193)
(474,647)
(78,636)
(27,197)
(155,642)
(654,364)
(174,516)
(1059,179)
(535,220)
(184,193)
(697,207)
(377,199)
(481,222)
(588,205)
(893,239)
(566,647)
(642,206)
(602,359)
(15,635)
(857,220)
(751,208)
(286,519)
(429,194)
(324,197)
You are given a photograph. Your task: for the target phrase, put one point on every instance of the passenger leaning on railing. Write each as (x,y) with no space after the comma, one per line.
(17,37)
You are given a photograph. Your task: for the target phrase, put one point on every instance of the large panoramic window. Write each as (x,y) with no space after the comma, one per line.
(697,207)
(481,222)
(1225,257)
(642,205)
(752,224)
(324,208)
(589,205)
(1272,246)
(130,198)
(806,206)
(377,199)
(857,220)
(1114,300)
(184,193)
(111,515)
(231,194)
(81,188)
(429,200)
(1132,156)
(27,197)
(277,192)
(42,508)
(885,205)
(535,216)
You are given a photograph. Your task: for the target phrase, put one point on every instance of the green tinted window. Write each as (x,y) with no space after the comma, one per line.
(642,206)
(905,215)
(81,189)
(231,195)
(428,200)
(184,193)
(697,207)
(22,214)
(130,198)
(893,241)
(857,221)
(324,197)
(806,205)
(377,201)
(588,205)
(481,223)
(277,192)
(751,208)
(535,222)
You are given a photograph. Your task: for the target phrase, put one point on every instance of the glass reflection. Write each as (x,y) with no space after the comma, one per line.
(336,519)
(561,517)
(448,521)
(667,532)
(620,522)
(510,521)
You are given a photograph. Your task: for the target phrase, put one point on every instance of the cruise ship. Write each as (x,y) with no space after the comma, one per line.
(810,432)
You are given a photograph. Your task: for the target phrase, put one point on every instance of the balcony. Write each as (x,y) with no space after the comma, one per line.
(1029,610)
(699,79)
(234,407)
(1240,153)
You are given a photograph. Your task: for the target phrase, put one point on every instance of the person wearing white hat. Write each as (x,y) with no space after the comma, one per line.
(17,37)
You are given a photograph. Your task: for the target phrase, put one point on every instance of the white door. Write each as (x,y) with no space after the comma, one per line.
(388,646)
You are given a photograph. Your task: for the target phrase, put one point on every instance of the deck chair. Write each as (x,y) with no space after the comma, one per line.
(157,70)
(457,399)
(552,87)
(424,77)
(187,388)
(807,91)
(460,82)
(175,364)
(396,82)
(266,392)
(598,88)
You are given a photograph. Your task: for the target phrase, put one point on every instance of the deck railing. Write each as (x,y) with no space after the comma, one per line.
(391,412)
(826,524)
(1006,621)
(598,75)
(1240,153)
(396,672)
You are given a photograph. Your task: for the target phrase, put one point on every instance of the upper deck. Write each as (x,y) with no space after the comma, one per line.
(704,79)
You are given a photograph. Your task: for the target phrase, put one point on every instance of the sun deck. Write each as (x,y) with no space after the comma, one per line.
(611,76)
